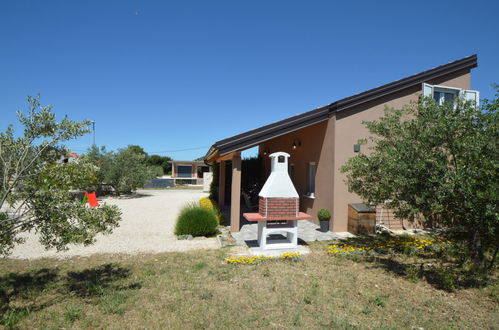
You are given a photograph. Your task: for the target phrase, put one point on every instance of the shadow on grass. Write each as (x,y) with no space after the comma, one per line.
(24,286)
(94,281)
(24,293)
(444,269)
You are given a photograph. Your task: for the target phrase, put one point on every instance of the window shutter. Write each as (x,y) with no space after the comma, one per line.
(427,90)
(474,96)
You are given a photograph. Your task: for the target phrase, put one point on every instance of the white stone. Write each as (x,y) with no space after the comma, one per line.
(257,251)
(207,179)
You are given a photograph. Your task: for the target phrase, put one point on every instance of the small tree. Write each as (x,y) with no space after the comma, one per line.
(125,170)
(35,186)
(438,162)
(163,161)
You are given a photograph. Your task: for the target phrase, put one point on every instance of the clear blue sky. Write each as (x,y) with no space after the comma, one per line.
(170,75)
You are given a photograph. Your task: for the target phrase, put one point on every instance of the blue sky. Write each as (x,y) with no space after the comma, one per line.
(175,75)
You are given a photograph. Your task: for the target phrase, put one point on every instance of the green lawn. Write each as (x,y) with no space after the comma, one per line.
(200,290)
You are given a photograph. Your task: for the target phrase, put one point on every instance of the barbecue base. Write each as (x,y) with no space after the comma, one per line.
(267,229)
(285,229)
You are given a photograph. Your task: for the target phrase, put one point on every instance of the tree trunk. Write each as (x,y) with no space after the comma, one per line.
(476,249)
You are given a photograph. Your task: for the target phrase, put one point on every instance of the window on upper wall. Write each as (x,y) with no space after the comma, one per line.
(312,169)
(445,94)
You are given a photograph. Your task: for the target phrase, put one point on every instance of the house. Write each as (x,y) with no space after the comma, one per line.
(320,141)
(69,157)
(191,171)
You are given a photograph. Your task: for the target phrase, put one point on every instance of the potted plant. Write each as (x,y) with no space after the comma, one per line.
(324,215)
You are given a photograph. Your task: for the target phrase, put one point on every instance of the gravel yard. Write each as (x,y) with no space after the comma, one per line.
(147,226)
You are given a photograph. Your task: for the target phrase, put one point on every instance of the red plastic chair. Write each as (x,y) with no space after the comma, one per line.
(92,199)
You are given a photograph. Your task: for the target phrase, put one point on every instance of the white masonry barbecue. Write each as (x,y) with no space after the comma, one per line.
(279,207)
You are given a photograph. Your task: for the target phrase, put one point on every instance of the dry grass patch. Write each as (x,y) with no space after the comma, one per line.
(200,290)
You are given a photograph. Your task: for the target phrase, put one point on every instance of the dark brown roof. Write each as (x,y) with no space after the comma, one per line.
(264,133)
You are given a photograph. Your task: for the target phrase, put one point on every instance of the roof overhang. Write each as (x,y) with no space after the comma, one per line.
(256,136)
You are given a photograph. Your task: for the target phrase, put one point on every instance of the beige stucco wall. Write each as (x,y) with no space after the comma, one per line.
(349,129)
(331,143)
(316,146)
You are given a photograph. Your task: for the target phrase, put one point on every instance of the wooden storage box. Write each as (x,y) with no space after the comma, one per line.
(361,219)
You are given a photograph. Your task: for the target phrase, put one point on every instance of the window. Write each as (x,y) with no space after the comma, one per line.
(443,94)
(312,169)
(184,171)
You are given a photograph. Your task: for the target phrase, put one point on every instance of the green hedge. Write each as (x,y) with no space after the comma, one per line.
(196,221)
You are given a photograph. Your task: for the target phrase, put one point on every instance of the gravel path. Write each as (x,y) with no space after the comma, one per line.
(146,227)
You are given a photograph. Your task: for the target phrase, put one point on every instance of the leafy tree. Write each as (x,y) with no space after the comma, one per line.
(163,161)
(438,163)
(137,149)
(126,170)
(35,186)
(102,159)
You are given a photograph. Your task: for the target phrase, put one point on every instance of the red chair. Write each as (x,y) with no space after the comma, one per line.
(92,199)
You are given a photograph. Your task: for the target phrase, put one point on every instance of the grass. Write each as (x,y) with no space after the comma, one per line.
(201,290)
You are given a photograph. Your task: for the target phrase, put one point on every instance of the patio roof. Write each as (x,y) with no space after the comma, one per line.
(256,136)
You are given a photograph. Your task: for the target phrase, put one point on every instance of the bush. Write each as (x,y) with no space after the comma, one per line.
(196,221)
(323,215)
(210,205)
(157,170)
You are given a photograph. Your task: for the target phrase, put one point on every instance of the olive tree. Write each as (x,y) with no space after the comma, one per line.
(124,170)
(35,186)
(438,163)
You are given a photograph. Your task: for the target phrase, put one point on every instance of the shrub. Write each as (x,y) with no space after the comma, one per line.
(196,221)
(323,215)
(157,170)
(210,205)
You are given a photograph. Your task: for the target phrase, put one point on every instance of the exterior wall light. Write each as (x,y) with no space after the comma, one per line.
(266,151)
(296,143)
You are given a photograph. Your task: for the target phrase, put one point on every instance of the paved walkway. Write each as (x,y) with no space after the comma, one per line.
(307,231)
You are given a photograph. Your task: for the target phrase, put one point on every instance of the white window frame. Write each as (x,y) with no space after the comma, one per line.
(468,95)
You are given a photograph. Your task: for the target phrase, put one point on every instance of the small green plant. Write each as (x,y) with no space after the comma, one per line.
(379,301)
(447,279)
(72,313)
(150,272)
(12,316)
(366,310)
(196,221)
(413,273)
(307,300)
(200,265)
(323,215)
(113,303)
